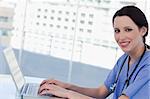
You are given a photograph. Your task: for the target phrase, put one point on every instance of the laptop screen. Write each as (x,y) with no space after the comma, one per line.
(14,68)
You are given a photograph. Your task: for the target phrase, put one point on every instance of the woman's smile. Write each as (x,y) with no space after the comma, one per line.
(124,44)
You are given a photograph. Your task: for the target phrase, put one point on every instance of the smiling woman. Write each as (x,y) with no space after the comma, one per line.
(130,75)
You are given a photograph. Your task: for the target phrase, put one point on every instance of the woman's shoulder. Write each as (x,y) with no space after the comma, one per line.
(122,57)
(147,56)
(148,51)
(120,61)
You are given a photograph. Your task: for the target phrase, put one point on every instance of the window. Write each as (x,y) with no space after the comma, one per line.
(62,34)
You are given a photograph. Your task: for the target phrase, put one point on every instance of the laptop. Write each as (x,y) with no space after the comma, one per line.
(23,88)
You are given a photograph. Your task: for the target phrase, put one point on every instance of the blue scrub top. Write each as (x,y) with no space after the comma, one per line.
(139,84)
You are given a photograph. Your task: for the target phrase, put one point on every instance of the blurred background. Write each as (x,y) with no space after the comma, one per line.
(70,40)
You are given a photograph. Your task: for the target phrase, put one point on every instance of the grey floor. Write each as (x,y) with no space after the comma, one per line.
(50,67)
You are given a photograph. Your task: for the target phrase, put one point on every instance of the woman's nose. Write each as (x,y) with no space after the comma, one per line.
(122,35)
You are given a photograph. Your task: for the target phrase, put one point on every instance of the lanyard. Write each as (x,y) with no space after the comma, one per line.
(127,82)
(112,88)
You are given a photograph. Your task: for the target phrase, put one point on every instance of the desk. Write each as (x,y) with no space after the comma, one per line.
(8,89)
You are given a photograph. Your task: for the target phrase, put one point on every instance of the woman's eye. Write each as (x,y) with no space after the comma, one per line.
(128,30)
(116,31)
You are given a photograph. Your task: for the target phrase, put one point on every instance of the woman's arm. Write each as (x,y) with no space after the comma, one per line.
(61,92)
(99,93)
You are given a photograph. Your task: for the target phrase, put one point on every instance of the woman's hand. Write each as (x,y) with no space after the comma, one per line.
(123,97)
(56,82)
(60,92)
(54,90)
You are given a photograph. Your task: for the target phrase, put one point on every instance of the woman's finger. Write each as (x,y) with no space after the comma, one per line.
(43,82)
(44,87)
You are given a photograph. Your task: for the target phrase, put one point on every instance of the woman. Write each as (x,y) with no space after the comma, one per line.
(131,73)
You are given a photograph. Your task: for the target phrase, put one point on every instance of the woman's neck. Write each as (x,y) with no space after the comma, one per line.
(134,55)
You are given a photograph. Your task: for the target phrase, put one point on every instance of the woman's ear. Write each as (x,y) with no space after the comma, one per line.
(143,30)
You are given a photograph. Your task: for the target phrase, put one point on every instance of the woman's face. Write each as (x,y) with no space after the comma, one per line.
(127,34)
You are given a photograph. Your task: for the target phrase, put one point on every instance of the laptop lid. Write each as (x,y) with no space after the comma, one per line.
(14,68)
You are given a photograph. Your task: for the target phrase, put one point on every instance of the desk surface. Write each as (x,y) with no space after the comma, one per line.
(7,86)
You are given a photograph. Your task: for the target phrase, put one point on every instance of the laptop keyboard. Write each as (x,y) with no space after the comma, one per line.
(30,89)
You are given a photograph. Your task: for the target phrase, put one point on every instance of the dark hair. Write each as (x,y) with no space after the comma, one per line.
(136,15)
